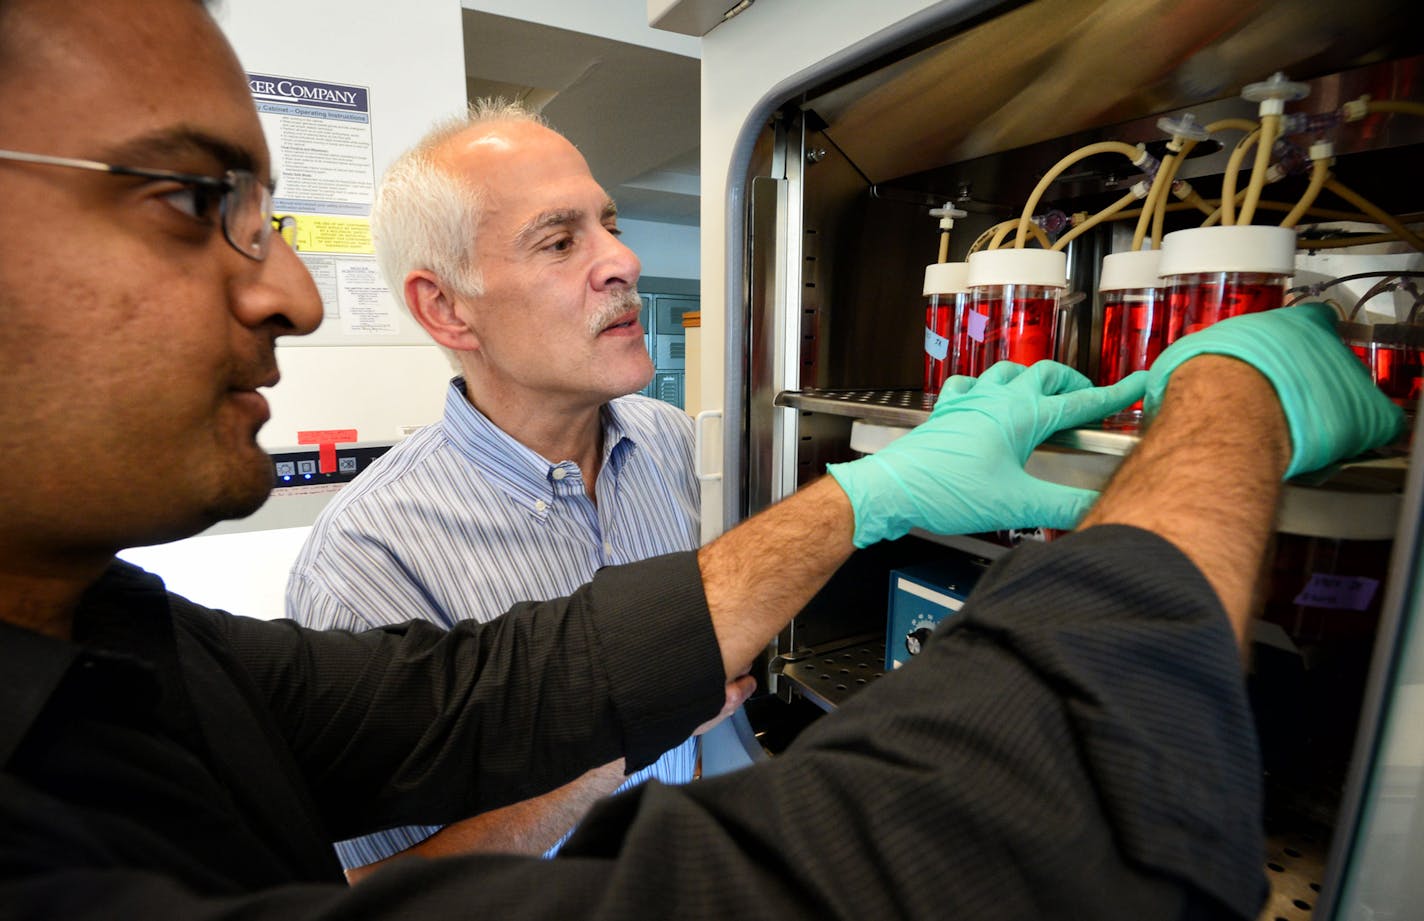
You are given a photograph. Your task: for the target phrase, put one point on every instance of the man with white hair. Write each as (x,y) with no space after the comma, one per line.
(543,468)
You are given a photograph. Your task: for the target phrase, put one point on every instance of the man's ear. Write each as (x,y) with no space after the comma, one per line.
(435,308)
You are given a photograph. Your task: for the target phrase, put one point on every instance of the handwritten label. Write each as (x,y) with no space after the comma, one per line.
(1340,593)
(326,436)
(977,323)
(326,442)
(936,346)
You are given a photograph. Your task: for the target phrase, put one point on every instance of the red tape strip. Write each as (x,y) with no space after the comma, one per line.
(327,440)
(327,436)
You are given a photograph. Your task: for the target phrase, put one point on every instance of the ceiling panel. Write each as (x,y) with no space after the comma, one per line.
(632,111)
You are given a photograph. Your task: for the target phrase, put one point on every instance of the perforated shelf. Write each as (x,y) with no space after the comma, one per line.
(1357,500)
(908,408)
(829,676)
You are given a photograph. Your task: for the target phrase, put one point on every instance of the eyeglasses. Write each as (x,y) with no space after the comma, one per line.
(285,225)
(245,205)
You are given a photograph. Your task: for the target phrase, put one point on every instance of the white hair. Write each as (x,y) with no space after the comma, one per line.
(424,217)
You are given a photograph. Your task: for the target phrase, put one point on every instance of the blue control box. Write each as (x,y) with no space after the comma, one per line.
(920,597)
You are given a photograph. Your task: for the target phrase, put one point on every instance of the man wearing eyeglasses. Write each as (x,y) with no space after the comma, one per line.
(1077,744)
(154,395)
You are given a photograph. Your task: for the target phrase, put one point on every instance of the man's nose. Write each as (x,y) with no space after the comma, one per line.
(617,264)
(282,288)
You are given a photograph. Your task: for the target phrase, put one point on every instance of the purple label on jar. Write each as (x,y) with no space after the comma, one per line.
(977,323)
(1341,593)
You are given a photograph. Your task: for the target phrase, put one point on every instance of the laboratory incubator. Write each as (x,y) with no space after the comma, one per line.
(1089,182)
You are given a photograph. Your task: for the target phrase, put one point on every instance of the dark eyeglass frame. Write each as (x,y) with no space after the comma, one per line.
(236,185)
(285,225)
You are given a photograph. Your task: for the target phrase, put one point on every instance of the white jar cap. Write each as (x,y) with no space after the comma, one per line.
(1267,250)
(946,278)
(1135,270)
(1043,267)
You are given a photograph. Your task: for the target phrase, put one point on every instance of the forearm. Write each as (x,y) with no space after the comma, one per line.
(530,827)
(412,725)
(758,575)
(1209,482)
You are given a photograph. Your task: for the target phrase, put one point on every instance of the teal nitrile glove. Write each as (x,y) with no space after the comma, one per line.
(1332,407)
(961,472)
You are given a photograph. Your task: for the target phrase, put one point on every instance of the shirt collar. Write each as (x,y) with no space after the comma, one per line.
(618,440)
(32,665)
(521,472)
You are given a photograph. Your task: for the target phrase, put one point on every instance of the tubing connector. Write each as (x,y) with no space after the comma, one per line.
(1291,157)
(1051,221)
(1356,109)
(1145,161)
(948,215)
(1322,151)
(1140,188)
(1302,123)
(1273,94)
(1186,128)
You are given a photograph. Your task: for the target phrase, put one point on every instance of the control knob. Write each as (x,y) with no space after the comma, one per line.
(916,639)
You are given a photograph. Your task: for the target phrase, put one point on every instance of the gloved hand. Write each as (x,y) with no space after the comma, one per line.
(1330,404)
(961,471)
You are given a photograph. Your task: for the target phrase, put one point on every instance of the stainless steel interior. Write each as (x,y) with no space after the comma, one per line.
(874,238)
(1053,68)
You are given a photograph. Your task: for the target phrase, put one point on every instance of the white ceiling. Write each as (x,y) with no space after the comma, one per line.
(631,110)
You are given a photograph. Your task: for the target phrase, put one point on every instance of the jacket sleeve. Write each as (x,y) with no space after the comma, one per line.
(425,726)
(1076,744)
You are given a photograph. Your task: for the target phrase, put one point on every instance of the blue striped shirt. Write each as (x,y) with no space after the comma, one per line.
(461,521)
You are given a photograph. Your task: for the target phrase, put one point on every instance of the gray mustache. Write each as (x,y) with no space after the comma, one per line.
(618,304)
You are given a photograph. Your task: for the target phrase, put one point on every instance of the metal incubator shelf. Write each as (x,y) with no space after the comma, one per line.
(1357,500)
(828,675)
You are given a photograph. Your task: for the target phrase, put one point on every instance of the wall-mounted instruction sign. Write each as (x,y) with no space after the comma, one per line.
(319,134)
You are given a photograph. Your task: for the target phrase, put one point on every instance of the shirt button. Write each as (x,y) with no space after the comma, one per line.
(560,473)
(607,549)
(540,505)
